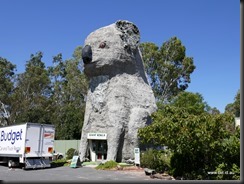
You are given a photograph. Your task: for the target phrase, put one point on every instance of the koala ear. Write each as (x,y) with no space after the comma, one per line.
(130,33)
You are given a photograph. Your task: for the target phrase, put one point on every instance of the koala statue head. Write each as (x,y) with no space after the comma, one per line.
(112,50)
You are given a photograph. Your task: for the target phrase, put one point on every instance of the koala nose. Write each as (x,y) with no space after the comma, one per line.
(87,54)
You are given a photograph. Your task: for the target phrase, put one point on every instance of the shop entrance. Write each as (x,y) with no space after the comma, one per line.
(99,147)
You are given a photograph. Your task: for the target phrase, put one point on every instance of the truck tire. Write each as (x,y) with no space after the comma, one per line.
(60,156)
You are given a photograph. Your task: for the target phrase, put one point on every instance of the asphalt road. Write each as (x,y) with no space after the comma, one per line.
(67,174)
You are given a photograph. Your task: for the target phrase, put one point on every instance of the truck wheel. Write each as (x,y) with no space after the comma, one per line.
(60,156)
(10,163)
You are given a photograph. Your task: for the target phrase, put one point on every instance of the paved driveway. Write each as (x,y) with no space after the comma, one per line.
(65,173)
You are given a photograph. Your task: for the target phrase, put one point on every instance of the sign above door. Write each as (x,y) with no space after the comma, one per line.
(97,136)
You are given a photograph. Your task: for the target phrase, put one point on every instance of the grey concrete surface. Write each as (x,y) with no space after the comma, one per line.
(67,174)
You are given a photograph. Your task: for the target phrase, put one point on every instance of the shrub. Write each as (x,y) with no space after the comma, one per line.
(59,163)
(156,159)
(70,153)
(225,173)
(107,165)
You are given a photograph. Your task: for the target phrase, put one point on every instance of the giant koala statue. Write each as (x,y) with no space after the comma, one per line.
(119,99)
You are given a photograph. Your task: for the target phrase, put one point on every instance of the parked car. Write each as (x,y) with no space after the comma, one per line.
(57,155)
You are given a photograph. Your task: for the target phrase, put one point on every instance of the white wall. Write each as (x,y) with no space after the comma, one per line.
(237,121)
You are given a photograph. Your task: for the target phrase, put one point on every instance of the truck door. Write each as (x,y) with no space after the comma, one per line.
(33,141)
(47,140)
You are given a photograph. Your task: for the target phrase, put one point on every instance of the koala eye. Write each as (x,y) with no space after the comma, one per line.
(102,45)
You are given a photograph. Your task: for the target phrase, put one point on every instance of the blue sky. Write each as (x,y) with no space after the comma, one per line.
(209,29)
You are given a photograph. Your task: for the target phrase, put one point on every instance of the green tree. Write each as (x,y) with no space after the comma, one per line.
(68,95)
(167,67)
(198,139)
(7,75)
(31,95)
(234,107)
(214,110)
(193,103)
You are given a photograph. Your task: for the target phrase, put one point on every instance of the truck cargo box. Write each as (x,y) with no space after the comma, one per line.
(29,144)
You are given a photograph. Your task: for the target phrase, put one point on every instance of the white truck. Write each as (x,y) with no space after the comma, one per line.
(30,145)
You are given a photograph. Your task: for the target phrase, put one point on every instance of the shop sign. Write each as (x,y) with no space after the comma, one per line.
(98,136)
(75,162)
